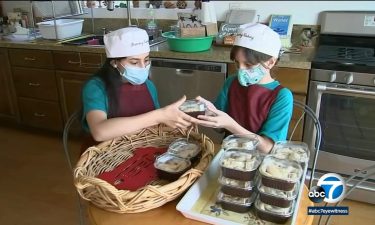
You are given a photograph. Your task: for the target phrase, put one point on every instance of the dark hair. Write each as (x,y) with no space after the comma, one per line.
(112,82)
(252,57)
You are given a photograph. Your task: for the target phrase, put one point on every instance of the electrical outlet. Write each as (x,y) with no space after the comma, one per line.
(235,5)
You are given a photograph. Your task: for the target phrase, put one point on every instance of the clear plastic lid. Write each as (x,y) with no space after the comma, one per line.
(248,142)
(183,148)
(171,164)
(246,185)
(284,212)
(193,106)
(240,159)
(282,169)
(221,197)
(287,195)
(292,150)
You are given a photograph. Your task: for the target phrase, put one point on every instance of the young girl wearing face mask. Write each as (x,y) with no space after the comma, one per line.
(120,99)
(253,102)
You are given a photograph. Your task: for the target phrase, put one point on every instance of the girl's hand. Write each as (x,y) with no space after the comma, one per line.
(220,120)
(173,117)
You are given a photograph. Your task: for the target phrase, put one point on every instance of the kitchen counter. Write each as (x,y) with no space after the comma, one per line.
(215,54)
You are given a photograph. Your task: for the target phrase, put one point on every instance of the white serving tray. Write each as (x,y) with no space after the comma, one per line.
(206,186)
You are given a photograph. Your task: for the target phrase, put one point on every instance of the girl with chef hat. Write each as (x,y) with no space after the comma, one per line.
(252,102)
(120,99)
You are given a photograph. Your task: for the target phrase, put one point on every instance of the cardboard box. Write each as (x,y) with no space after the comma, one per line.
(188,20)
(193,32)
(211,29)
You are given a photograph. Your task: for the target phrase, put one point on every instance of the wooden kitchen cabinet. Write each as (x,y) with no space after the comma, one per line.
(35,83)
(70,87)
(40,113)
(7,98)
(78,61)
(35,87)
(72,70)
(297,80)
(31,58)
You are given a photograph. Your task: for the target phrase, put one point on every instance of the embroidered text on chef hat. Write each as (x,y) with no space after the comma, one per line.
(260,38)
(126,42)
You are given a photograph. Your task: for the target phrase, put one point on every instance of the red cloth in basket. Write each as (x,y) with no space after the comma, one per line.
(135,172)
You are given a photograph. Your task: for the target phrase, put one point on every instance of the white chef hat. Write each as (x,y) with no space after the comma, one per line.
(260,38)
(126,42)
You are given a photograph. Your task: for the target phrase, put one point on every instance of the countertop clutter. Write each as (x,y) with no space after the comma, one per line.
(215,54)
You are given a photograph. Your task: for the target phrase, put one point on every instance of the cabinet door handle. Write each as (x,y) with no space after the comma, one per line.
(90,65)
(29,59)
(39,114)
(34,84)
(73,62)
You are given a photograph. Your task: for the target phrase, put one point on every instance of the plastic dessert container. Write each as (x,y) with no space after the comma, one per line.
(281,174)
(193,108)
(170,167)
(247,142)
(240,164)
(277,197)
(292,150)
(272,213)
(237,188)
(185,149)
(235,204)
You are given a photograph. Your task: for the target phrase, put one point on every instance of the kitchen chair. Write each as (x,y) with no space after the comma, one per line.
(68,155)
(311,114)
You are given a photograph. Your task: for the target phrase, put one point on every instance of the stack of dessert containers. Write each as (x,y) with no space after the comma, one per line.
(238,165)
(280,174)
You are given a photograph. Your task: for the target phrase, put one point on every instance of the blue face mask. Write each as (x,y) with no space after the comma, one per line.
(251,76)
(135,75)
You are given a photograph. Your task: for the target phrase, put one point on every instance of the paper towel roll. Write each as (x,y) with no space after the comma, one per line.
(206,18)
(213,18)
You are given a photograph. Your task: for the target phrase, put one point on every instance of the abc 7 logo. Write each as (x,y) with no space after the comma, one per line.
(330,188)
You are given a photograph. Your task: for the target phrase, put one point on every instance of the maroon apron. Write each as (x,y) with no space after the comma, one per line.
(249,106)
(133,100)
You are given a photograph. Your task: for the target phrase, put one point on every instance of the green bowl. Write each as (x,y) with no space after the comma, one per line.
(187,44)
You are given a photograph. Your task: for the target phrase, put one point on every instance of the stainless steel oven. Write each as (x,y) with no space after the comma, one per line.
(347,115)
(342,94)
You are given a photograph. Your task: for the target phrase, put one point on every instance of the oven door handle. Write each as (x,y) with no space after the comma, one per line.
(321,87)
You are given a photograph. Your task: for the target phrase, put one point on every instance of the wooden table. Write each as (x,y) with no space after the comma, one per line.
(168,215)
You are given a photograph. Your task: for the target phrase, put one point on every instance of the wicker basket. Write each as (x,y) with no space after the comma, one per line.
(109,154)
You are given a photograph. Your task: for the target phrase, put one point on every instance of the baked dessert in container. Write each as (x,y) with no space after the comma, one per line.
(240,164)
(275,197)
(272,213)
(235,204)
(193,108)
(170,167)
(248,142)
(237,188)
(292,150)
(280,174)
(185,149)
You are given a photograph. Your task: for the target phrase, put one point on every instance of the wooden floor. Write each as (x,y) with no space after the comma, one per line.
(36,184)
